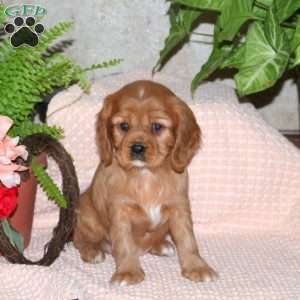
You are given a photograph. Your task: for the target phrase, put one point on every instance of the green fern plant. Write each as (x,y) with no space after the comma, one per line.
(27,75)
(47,184)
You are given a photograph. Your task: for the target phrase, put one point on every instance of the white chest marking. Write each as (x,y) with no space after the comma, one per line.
(154,215)
(138,163)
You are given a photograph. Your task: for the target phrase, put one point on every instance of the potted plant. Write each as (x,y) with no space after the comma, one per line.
(27,75)
(260,39)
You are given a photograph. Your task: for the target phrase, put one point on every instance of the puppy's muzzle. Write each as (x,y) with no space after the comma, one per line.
(137,151)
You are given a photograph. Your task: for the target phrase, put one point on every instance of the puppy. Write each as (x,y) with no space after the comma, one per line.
(139,194)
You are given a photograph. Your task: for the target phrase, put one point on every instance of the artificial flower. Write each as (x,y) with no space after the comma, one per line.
(9,151)
(8,201)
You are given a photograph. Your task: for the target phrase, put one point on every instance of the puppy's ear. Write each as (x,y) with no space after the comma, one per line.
(187,134)
(103,129)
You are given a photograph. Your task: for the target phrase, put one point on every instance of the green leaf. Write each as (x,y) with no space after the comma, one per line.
(27,128)
(266,56)
(181,25)
(84,83)
(296,38)
(218,55)
(104,65)
(202,4)
(261,8)
(296,61)
(286,8)
(266,3)
(236,58)
(48,185)
(52,34)
(14,237)
(296,45)
(234,14)
(272,29)
(216,59)
(2,15)
(290,32)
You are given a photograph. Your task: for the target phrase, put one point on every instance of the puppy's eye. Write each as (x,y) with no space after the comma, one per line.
(124,126)
(156,127)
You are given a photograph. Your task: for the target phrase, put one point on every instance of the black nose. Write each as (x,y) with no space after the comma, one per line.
(138,149)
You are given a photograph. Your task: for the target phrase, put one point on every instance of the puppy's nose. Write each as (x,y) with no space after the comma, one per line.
(138,149)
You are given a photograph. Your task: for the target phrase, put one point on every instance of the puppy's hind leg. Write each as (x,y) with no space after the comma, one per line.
(89,233)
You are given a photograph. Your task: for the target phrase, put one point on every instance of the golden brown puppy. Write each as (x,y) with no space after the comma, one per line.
(139,194)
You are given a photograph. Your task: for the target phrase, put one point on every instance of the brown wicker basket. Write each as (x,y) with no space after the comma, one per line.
(36,144)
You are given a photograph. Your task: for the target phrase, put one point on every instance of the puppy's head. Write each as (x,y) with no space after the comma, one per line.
(145,125)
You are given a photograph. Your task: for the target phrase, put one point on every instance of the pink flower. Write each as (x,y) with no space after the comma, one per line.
(9,151)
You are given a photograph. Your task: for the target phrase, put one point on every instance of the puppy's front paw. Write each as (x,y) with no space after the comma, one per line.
(128,277)
(200,273)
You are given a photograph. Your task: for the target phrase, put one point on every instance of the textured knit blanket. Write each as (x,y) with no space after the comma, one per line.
(245,197)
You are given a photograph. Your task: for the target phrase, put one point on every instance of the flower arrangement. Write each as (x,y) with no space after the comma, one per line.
(10,177)
(27,75)
(9,151)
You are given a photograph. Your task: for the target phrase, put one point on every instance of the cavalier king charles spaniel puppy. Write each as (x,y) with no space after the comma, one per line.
(138,200)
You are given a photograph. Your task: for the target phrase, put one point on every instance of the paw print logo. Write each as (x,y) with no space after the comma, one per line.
(24,33)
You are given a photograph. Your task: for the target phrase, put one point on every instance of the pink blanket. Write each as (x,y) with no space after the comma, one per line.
(245,193)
